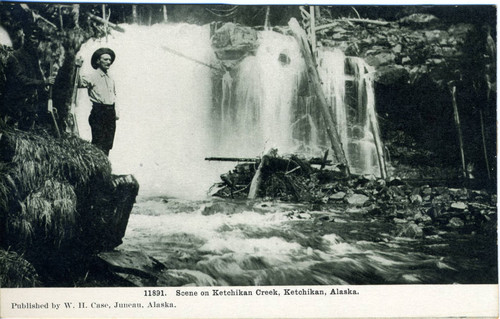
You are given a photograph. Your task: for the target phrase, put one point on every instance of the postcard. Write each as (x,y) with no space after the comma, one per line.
(248,160)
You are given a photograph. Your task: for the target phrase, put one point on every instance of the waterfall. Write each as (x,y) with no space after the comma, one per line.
(174,112)
(258,96)
(164,100)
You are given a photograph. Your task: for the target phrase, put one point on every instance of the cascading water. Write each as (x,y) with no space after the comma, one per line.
(258,98)
(164,100)
(169,123)
(349,90)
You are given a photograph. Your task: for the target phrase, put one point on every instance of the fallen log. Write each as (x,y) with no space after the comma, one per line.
(312,161)
(315,81)
(333,24)
(105,22)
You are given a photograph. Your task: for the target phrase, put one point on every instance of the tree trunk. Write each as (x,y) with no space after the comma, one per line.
(165,17)
(134,13)
(453,90)
(76,15)
(484,144)
(315,81)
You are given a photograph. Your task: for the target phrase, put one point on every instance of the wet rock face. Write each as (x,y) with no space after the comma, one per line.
(400,51)
(233,41)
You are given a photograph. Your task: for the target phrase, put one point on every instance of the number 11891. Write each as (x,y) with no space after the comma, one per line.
(154,293)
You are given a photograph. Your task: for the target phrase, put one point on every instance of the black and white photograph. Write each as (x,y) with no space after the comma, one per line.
(302,150)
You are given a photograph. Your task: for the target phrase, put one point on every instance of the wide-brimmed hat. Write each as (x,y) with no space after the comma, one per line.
(97,54)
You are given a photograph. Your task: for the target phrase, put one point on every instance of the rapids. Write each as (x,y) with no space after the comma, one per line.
(222,242)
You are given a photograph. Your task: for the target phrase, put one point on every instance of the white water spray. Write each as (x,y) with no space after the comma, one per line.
(163,99)
(169,122)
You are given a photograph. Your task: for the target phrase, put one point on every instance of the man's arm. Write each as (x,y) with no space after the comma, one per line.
(83,81)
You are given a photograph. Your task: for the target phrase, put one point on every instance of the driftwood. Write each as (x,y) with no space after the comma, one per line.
(257,178)
(312,161)
(315,81)
(334,24)
(105,22)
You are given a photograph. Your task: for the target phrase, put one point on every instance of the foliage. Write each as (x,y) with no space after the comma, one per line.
(41,180)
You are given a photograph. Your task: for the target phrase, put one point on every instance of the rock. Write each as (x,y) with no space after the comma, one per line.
(416,199)
(134,266)
(395,182)
(222,207)
(456,222)
(232,41)
(381,182)
(357,199)
(108,218)
(380,59)
(397,48)
(426,190)
(399,220)
(391,75)
(304,216)
(337,196)
(410,230)
(459,206)
(405,60)
(420,20)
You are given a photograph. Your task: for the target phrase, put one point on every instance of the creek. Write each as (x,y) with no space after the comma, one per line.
(224,242)
(172,117)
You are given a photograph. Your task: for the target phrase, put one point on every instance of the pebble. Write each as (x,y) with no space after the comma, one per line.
(357,199)
(459,205)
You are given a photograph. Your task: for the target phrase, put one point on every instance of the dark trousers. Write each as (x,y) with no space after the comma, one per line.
(102,122)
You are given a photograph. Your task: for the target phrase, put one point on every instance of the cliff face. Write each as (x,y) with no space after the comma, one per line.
(59,203)
(422,67)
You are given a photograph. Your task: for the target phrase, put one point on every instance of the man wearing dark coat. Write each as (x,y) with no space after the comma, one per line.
(102,95)
(26,88)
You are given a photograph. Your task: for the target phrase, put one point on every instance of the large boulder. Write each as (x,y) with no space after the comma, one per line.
(233,41)
(59,202)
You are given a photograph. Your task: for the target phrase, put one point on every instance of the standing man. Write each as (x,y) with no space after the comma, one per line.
(26,88)
(102,94)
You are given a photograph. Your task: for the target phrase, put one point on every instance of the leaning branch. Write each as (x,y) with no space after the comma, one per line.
(36,15)
(103,21)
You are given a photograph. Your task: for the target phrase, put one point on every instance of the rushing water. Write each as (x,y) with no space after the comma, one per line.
(239,243)
(169,123)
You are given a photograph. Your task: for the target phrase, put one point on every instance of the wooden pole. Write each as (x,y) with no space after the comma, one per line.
(110,24)
(165,17)
(378,147)
(105,21)
(134,13)
(315,81)
(60,17)
(453,90)
(76,15)
(150,15)
(312,33)
(318,12)
(484,144)
(266,22)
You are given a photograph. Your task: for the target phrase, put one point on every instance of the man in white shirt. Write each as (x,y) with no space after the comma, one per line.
(102,94)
